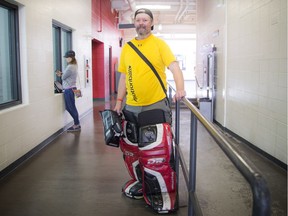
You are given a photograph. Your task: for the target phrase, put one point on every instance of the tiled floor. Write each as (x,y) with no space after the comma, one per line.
(78,175)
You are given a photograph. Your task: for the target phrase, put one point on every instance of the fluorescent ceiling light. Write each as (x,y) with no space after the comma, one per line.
(154,7)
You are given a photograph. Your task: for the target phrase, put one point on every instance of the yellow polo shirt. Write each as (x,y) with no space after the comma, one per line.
(143,87)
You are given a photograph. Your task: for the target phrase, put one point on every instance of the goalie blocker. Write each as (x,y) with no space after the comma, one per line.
(112,123)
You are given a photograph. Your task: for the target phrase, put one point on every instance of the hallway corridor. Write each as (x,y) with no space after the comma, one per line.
(78,175)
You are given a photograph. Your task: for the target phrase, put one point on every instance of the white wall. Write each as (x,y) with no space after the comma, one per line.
(43,113)
(211,29)
(185,48)
(252,84)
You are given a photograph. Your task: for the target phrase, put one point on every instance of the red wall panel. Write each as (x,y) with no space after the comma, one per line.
(98,67)
(105,48)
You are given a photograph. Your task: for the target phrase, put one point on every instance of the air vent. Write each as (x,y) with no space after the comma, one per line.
(126,26)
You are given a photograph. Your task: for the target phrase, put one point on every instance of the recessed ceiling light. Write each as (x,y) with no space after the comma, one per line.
(154,7)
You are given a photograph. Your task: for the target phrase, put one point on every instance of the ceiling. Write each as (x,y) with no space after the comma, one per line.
(178,20)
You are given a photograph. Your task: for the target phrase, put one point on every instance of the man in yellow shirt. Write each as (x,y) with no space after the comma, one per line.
(137,79)
(144,93)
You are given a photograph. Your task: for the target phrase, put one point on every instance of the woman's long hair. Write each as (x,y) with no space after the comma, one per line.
(73,61)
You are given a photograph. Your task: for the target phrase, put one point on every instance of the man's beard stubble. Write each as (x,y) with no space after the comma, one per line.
(142,31)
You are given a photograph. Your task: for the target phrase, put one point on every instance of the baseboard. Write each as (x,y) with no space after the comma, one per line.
(260,151)
(10,168)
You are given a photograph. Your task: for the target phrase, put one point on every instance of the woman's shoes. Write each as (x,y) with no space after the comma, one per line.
(74,128)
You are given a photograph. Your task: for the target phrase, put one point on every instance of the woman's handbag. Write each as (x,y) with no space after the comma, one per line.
(77,93)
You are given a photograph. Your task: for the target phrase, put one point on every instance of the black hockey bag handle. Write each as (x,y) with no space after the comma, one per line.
(112,123)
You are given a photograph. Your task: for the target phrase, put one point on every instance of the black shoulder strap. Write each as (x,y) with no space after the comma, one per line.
(149,64)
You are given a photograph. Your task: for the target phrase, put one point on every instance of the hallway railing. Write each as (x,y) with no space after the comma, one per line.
(260,191)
